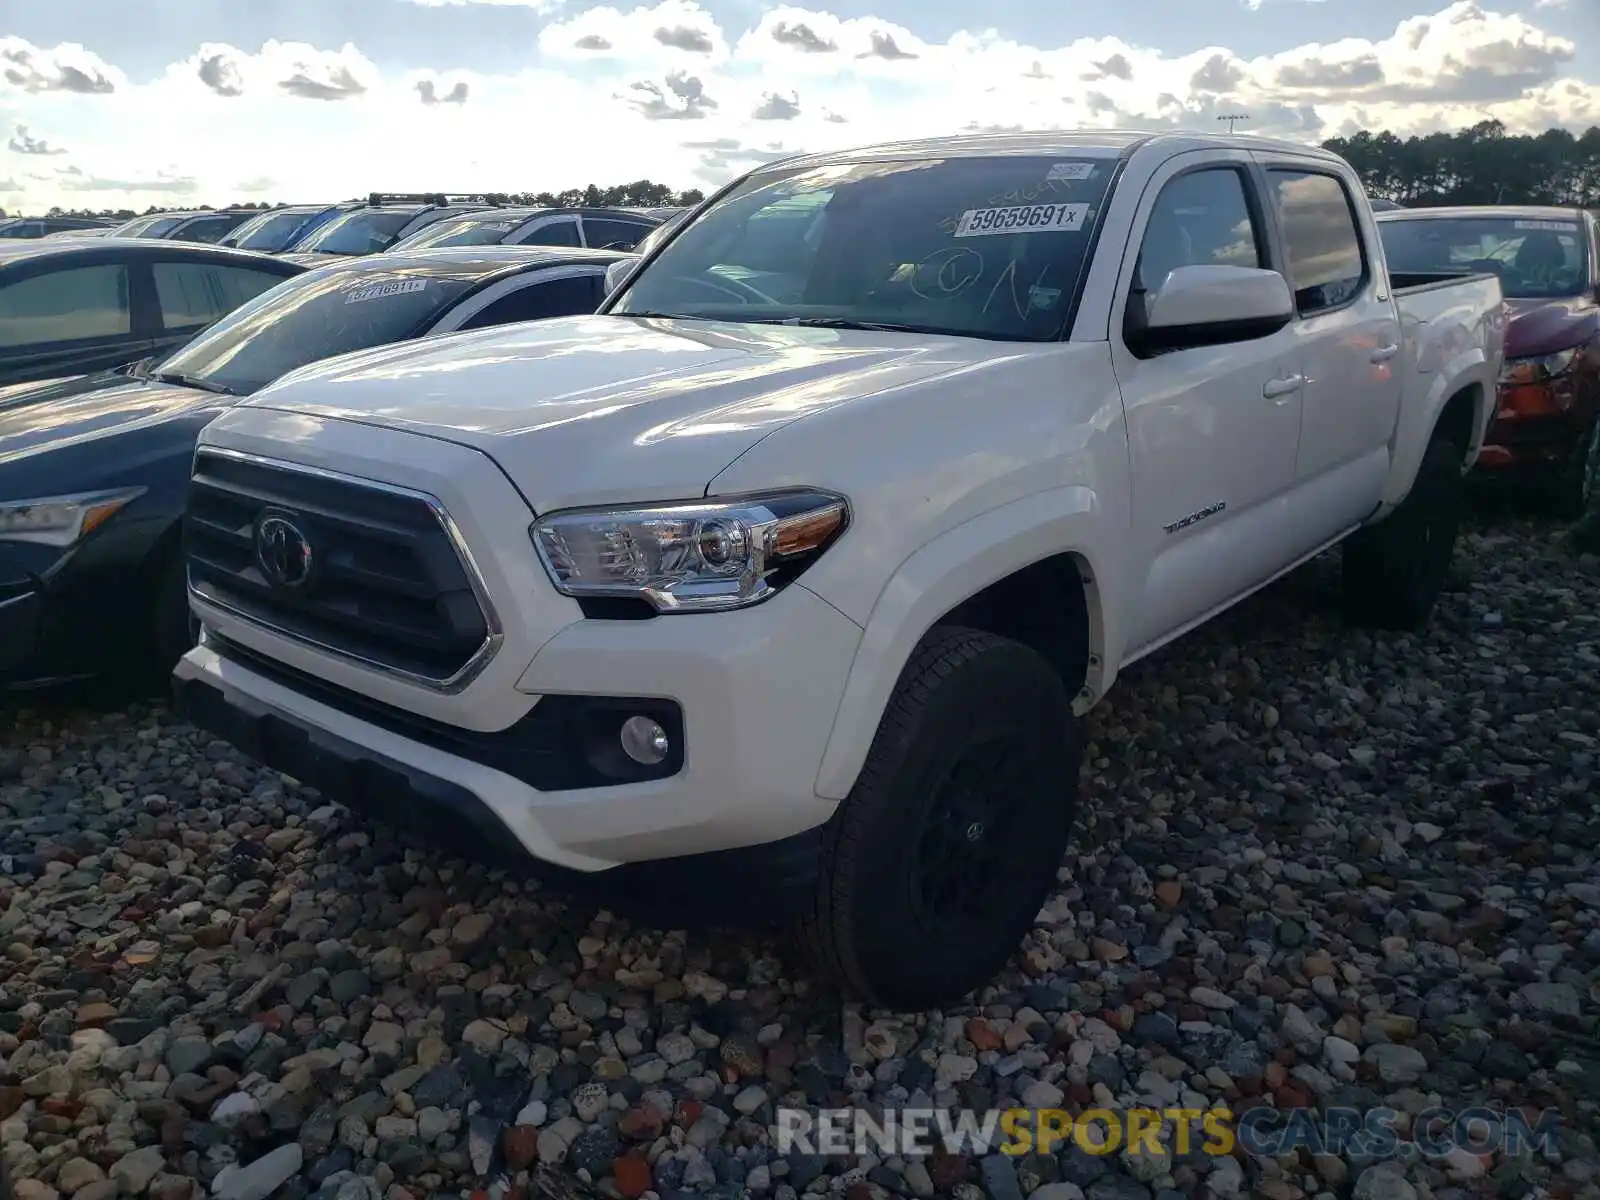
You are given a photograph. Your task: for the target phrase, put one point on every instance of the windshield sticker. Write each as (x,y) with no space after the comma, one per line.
(1548,226)
(379,290)
(1070,170)
(1026,218)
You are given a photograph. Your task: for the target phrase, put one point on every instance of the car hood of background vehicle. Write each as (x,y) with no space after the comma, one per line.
(596,409)
(1546,326)
(39,417)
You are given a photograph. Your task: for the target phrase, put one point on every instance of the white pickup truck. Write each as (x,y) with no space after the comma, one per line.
(796,569)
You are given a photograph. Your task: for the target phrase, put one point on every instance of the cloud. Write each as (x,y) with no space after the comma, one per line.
(160,184)
(774,107)
(802,37)
(680,96)
(67,67)
(286,68)
(256,185)
(671,28)
(883,45)
(434,89)
(22,142)
(718,158)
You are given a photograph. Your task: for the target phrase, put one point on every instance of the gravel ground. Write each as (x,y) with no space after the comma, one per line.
(1323,868)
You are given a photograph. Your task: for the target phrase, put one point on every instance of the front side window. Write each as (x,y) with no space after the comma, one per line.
(552,298)
(463,231)
(1326,266)
(195,294)
(1202,218)
(65,306)
(363,231)
(1536,258)
(333,310)
(603,233)
(562,231)
(988,247)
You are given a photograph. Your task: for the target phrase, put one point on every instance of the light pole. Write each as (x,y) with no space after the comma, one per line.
(1234,120)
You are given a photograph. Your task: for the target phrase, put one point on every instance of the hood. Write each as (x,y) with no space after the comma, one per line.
(80,413)
(599,409)
(1546,326)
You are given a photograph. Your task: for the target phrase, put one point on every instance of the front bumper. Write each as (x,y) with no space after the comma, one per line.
(757,691)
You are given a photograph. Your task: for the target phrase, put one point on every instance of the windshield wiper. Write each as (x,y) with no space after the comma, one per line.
(661,316)
(193,381)
(872,326)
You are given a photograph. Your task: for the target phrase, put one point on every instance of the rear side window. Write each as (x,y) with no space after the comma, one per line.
(554,298)
(65,306)
(1199,219)
(195,294)
(209,230)
(1326,266)
(560,232)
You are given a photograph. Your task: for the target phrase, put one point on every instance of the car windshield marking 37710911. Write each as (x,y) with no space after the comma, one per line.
(981,247)
(803,560)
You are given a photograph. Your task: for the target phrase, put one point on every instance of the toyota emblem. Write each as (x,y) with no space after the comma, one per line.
(283,551)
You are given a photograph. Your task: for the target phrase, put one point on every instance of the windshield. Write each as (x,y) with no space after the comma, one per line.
(1535,259)
(304,320)
(364,231)
(486,230)
(270,232)
(980,247)
(147,226)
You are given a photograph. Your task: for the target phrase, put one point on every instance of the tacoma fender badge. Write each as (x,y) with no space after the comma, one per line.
(1209,510)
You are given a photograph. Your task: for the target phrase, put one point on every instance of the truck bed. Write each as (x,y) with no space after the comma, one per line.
(1406,283)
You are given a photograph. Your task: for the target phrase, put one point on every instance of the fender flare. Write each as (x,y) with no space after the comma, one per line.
(955,566)
(1414,431)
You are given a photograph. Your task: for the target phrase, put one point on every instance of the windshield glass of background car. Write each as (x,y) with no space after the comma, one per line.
(147,226)
(1536,259)
(357,233)
(987,247)
(463,231)
(270,231)
(316,316)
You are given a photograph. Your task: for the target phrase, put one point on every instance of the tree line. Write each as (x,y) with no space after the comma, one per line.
(639,194)
(1480,165)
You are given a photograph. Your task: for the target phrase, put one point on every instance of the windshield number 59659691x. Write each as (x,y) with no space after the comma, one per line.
(1023,218)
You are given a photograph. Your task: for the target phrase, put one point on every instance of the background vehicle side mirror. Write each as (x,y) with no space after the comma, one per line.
(1213,305)
(616,273)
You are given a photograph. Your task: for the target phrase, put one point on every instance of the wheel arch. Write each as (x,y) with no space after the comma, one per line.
(1032,570)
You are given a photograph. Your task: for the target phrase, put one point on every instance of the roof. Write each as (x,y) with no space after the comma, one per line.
(472,262)
(1528,212)
(1106,142)
(24,248)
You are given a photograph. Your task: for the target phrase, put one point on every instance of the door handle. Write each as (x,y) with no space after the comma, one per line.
(1384,353)
(1287,386)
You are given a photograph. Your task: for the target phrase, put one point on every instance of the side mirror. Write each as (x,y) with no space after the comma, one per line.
(616,273)
(1212,305)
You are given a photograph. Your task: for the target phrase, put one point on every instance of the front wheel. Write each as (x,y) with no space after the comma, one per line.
(940,858)
(1393,572)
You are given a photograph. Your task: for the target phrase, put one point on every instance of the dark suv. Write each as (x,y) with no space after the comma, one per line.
(38,227)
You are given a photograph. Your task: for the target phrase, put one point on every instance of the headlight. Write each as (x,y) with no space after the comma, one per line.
(60,520)
(1539,367)
(698,557)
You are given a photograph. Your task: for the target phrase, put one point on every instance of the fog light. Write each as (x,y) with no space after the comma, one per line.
(644,741)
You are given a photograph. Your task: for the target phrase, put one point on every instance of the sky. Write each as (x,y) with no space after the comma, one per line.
(175,103)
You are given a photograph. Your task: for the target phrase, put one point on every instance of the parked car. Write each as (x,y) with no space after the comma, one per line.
(203,225)
(1547,419)
(275,230)
(38,227)
(71,307)
(64,235)
(381,223)
(1049,401)
(94,471)
(601,228)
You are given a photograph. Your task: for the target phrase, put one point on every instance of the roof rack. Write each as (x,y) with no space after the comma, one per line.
(439,199)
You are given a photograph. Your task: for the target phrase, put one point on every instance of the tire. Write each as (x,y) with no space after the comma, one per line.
(1394,571)
(927,883)
(1577,487)
(174,631)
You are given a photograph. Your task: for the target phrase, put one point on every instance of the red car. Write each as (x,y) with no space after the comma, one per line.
(1547,422)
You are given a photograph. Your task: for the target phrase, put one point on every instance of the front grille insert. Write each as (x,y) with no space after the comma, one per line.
(384,578)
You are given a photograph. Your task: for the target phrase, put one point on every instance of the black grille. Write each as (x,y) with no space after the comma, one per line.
(387,585)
